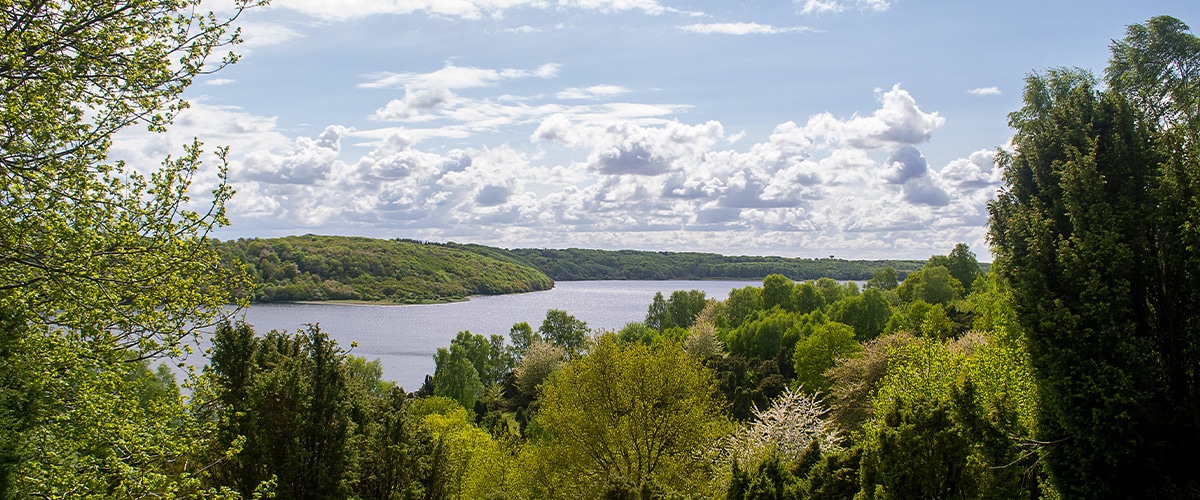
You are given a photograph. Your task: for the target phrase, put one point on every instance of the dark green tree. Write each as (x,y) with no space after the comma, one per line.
(963,266)
(657,317)
(777,291)
(1095,231)
(884,279)
(868,313)
(807,298)
(565,331)
(683,306)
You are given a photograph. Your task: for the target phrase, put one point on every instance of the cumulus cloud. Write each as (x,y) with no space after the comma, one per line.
(742,29)
(897,122)
(616,175)
(219,81)
(984,91)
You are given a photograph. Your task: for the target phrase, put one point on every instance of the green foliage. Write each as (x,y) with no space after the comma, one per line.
(580,264)
(563,330)
(777,292)
(933,284)
(656,315)
(806,298)
(456,377)
(885,278)
(962,266)
(935,324)
(102,266)
(817,353)
(314,267)
(628,413)
(1095,232)
(868,313)
(741,303)
(522,337)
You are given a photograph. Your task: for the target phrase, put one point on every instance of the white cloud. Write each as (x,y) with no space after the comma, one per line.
(614,175)
(455,77)
(219,81)
(523,29)
(257,35)
(592,92)
(898,121)
(742,29)
(835,6)
(464,9)
(982,91)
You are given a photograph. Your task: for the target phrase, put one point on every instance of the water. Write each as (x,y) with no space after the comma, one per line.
(404,338)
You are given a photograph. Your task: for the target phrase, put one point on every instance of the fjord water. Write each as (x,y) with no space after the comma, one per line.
(404,338)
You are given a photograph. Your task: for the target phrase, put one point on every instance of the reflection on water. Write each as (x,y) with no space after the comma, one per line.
(404,338)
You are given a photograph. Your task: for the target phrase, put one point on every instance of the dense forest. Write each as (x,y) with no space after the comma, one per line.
(304,268)
(1071,369)
(581,264)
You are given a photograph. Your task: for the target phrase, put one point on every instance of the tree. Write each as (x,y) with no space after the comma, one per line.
(628,413)
(683,307)
(884,279)
(100,263)
(657,317)
(817,353)
(565,331)
(777,291)
(963,266)
(868,313)
(455,376)
(522,337)
(1095,232)
(932,284)
(807,298)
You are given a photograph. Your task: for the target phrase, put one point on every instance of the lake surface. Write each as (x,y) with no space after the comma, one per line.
(404,338)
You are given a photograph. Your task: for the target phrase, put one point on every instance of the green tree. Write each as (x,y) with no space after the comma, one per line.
(963,266)
(522,337)
(1094,230)
(657,317)
(807,298)
(565,331)
(932,284)
(683,307)
(868,313)
(102,266)
(777,291)
(455,376)
(741,303)
(628,413)
(884,279)
(817,353)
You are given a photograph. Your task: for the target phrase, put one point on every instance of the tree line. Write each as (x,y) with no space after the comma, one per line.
(1068,370)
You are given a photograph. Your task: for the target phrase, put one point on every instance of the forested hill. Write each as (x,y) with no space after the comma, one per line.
(310,267)
(298,268)
(579,264)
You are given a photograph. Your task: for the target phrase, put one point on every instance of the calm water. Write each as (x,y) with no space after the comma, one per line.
(405,338)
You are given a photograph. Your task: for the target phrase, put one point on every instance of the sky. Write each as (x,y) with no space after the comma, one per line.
(860,129)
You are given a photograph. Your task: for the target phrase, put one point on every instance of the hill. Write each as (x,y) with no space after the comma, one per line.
(574,264)
(302,268)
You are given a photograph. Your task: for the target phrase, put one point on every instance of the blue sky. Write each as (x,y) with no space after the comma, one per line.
(856,128)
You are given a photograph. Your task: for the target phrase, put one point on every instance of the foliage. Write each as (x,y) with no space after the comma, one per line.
(885,278)
(868,313)
(1095,231)
(565,331)
(102,266)
(818,352)
(628,413)
(315,267)
(573,264)
(455,375)
(794,422)
(932,284)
